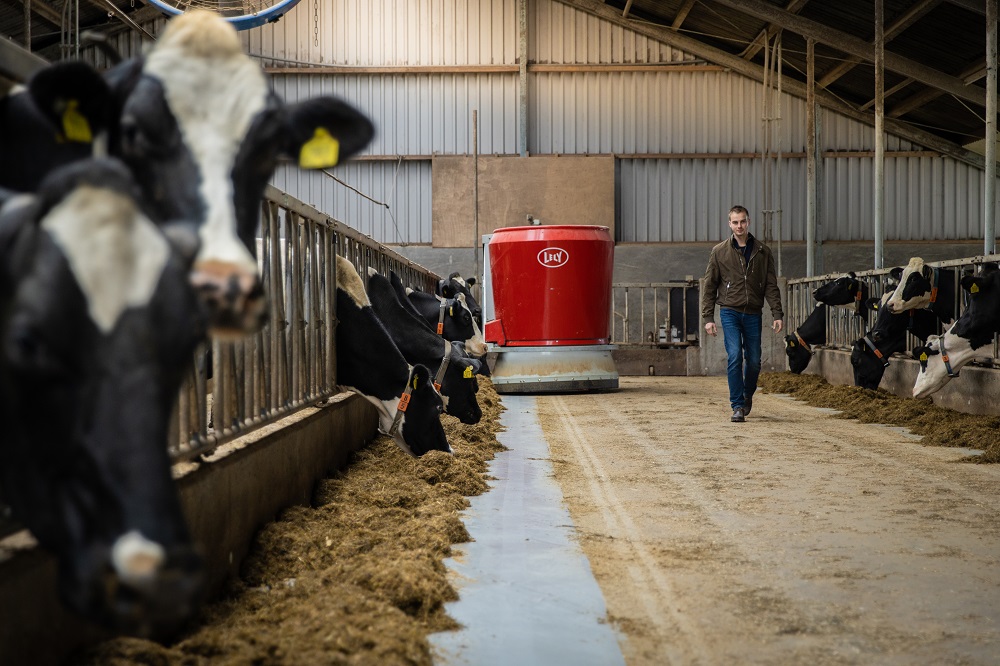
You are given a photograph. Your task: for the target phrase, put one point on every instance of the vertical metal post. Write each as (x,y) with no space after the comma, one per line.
(879,184)
(810,157)
(990,235)
(777,159)
(522,83)
(475,192)
(819,190)
(27,24)
(765,144)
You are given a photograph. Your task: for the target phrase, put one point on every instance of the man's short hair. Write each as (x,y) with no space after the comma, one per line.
(739,209)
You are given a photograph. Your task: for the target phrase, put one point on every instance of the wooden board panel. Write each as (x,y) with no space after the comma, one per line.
(555,190)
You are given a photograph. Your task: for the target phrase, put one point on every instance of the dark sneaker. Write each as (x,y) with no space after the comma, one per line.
(748,405)
(738,415)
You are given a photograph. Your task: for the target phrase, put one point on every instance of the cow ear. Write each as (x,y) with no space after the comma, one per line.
(852,275)
(896,273)
(471,282)
(325,131)
(420,377)
(447,291)
(927,271)
(74,98)
(973,283)
(990,267)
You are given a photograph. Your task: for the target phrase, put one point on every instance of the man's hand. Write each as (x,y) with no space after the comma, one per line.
(776,326)
(711,329)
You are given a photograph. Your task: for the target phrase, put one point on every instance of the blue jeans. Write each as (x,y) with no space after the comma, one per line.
(741,333)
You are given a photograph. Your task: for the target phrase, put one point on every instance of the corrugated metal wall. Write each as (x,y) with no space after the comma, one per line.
(671,198)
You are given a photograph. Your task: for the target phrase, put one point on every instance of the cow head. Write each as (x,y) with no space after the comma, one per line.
(202,132)
(98,320)
(62,115)
(973,330)
(420,428)
(868,366)
(455,285)
(798,355)
(914,289)
(458,390)
(847,290)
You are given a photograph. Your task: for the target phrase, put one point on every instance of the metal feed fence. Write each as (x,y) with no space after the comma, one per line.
(234,388)
(843,327)
(655,314)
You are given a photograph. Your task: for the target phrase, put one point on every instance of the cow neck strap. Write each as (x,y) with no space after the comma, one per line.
(944,357)
(875,350)
(857,301)
(439,377)
(934,284)
(802,342)
(404,402)
(441,309)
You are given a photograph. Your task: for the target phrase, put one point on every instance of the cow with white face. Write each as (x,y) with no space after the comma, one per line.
(97,321)
(943,356)
(925,287)
(202,131)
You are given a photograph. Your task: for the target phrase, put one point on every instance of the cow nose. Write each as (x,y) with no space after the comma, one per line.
(234,297)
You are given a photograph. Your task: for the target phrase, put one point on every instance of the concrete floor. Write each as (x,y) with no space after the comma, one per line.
(527,594)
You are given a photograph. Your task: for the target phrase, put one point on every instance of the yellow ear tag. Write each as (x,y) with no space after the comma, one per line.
(468,373)
(414,383)
(974,289)
(451,311)
(923,356)
(75,125)
(320,152)
(791,344)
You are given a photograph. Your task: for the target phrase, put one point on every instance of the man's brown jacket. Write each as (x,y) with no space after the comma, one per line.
(732,282)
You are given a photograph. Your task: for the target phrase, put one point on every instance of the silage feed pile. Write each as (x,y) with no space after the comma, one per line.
(937,425)
(358,578)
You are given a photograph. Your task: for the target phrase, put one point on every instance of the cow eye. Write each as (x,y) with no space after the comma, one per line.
(138,141)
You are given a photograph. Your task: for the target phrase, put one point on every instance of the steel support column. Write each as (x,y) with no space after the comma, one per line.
(522,83)
(990,235)
(879,185)
(810,157)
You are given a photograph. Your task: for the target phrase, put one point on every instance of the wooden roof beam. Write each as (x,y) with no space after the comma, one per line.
(682,14)
(794,6)
(42,10)
(789,85)
(972,73)
(858,47)
(909,17)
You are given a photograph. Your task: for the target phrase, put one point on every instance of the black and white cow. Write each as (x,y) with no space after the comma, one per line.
(454,373)
(870,354)
(97,321)
(60,116)
(370,364)
(845,291)
(199,126)
(450,318)
(926,287)
(798,345)
(943,356)
(454,285)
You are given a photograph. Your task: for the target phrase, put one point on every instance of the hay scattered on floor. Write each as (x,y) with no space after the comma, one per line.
(937,425)
(358,578)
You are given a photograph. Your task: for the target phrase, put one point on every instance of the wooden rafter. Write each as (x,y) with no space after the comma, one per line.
(794,7)
(971,73)
(908,18)
(852,45)
(682,14)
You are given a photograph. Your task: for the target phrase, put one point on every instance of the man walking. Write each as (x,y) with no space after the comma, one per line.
(740,276)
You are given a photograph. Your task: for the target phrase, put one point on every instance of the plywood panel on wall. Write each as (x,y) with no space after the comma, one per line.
(555,190)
